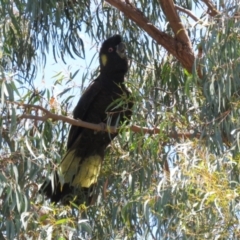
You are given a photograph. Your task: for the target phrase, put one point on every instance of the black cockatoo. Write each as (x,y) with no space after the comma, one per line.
(106,101)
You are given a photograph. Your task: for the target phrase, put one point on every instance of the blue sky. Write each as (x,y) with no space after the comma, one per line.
(53,70)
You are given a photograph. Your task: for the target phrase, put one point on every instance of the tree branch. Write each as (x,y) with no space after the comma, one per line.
(95,127)
(212,11)
(188,12)
(179,30)
(57,117)
(180,50)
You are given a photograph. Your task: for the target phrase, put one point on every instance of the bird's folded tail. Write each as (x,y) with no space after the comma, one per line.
(75,179)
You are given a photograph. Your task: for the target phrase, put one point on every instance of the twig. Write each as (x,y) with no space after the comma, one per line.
(149,228)
(188,12)
(144,130)
(212,11)
(105,186)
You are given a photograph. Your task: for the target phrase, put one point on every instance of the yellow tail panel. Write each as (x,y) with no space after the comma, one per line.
(86,173)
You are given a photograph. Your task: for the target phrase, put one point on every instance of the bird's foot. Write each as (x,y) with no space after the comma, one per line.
(103,128)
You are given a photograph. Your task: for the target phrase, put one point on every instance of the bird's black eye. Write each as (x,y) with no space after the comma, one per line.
(110,49)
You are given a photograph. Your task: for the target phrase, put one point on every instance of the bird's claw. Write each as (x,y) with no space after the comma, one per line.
(103,126)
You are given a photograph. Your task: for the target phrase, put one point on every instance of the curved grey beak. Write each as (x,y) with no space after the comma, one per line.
(121,47)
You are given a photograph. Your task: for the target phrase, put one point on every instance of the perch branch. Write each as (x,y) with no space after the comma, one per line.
(95,127)
(57,117)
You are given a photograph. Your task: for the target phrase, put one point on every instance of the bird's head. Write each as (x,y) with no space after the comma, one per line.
(113,55)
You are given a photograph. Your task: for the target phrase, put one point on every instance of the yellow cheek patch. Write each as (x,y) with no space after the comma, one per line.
(104,59)
(88,172)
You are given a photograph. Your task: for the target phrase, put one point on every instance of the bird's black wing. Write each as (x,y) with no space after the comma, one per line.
(82,108)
